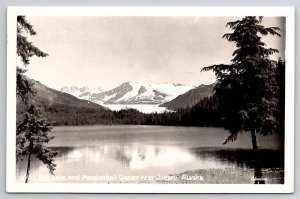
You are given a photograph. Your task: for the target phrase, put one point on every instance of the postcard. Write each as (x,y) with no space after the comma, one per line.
(150,99)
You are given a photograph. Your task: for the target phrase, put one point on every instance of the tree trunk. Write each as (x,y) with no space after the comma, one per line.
(28,163)
(257,164)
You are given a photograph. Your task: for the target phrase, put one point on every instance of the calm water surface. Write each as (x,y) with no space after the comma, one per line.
(145,150)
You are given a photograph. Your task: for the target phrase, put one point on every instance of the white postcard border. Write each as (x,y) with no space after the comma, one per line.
(13,186)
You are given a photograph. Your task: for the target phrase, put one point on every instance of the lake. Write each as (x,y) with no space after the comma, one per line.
(104,153)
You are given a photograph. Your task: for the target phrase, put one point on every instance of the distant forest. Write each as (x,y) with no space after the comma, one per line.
(203,113)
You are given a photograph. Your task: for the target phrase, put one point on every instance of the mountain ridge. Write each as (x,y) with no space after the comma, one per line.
(136,92)
(80,92)
(60,107)
(190,98)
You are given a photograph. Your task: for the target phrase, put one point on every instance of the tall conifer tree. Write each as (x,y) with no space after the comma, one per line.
(246,88)
(32,132)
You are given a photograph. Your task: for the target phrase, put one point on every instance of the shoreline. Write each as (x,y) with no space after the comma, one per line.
(199,176)
(221,176)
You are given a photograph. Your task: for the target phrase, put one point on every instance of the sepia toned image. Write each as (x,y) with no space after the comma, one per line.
(123,100)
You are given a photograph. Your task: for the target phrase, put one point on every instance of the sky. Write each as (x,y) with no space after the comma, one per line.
(108,51)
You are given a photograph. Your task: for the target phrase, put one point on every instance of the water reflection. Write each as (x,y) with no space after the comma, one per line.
(140,153)
(243,158)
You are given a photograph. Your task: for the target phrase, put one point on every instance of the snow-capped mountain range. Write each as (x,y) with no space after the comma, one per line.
(132,92)
(81,92)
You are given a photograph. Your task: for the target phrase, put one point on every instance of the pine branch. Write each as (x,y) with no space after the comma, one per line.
(26,49)
(25,25)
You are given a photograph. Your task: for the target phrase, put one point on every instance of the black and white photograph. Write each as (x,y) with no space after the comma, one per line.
(139,100)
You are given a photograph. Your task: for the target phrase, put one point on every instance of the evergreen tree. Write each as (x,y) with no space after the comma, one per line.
(25,50)
(246,88)
(32,132)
